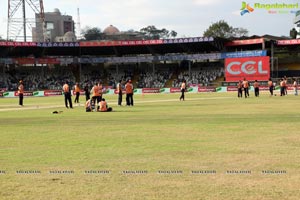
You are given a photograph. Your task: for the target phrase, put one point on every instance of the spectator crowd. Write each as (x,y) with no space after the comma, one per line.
(52,78)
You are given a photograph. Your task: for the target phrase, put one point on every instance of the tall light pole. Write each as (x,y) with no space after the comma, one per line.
(17,19)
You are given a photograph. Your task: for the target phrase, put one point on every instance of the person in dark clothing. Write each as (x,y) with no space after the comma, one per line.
(87,92)
(21,92)
(77,92)
(271,87)
(282,87)
(256,88)
(182,89)
(119,91)
(240,89)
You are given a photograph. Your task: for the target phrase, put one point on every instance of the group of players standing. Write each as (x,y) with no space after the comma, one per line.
(97,102)
(98,89)
(283,86)
(244,86)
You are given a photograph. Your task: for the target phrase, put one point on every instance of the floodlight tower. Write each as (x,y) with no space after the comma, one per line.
(17,19)
(79,36)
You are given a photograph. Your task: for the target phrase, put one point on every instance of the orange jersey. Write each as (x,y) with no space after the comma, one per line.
(256,84)
(270,83)
(66,88)
(96,92)
(282,84)
(245,84)
(103,106)
(129,88)
(77,88)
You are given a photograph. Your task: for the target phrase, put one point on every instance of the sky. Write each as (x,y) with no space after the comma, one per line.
(189,18)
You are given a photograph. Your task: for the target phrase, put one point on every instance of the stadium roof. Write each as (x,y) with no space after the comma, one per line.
(195,45)
(112,48)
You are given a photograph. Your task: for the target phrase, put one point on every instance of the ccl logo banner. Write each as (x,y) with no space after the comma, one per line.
(251,68)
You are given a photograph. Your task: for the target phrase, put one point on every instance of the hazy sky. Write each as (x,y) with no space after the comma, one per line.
(189,18)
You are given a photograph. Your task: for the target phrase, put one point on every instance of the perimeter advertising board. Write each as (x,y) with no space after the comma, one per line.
(53,93)
(150,90)
(251,68)
(25,94)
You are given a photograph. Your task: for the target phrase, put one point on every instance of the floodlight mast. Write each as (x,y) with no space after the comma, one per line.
(17,18)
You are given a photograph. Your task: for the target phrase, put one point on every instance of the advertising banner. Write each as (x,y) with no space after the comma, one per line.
(231,88)
(288,42)
(25,94)
(8,94)
(38,94)
(6,61)
(24,61)
(23,44)
(117,92)
(175,90)
(245,42)
(190,89)
(206,89)
(100,43)
(47,61)
(137,91)
(291,87)
(263,88)
(150,90)
(53,93)
(120,43)
(82,92)
(251,68)
(243,54)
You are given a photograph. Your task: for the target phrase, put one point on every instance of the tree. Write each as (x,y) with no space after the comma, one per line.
(239,32)
(173,34)
(293,33)
(151,32)
(92,33)
(223,30)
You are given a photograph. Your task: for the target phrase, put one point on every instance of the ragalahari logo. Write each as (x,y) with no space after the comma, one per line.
(246,8)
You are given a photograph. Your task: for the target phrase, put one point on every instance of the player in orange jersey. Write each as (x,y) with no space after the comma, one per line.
(77,92)
(67,93)
(256,88)
(129,93)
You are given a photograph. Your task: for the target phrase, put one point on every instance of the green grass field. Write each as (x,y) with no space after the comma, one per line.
(211,146)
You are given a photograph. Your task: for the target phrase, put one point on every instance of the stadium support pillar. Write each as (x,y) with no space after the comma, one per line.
(190,68)
(24,20)
(272,58)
